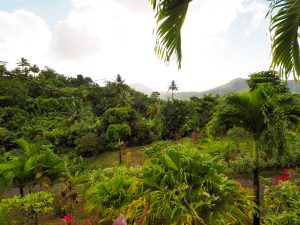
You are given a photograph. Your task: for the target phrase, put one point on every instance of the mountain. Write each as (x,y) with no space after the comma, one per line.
(141,88)
(238,84)
(235,85)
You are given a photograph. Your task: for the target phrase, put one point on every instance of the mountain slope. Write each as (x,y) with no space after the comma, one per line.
(235,85)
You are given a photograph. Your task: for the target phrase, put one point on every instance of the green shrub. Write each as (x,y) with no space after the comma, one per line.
(6,139)
(31,206)
(281,204)
(88,144)
(142,133)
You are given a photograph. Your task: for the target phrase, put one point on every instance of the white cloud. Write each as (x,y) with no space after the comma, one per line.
(72,41)
(23,34)
(101,38)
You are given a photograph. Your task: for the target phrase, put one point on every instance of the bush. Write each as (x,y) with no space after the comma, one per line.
(142,133)
(174,115)
(281,204)
(13,118)
(118,116)
(30,206)
(6,139)
(88,144)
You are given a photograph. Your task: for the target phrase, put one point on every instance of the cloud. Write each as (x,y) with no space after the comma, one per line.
(100,38)
(258,12)
(74,42)
(23,34)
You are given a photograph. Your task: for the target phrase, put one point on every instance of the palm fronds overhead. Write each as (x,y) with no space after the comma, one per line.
(284,28)
(170,16)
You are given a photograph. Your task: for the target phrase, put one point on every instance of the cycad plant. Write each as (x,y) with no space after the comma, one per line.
(257,112)
(183,186)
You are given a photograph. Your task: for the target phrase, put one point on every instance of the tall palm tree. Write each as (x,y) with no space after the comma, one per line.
(257,112)
(284,27)
(24,64)
(173,87)
(35,69)
(121,91)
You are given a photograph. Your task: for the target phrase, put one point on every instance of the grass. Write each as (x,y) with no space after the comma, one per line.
(132,156)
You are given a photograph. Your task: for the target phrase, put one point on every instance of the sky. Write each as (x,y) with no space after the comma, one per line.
(221,40)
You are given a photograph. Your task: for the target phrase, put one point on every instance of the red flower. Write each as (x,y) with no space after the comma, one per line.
(68,218)
(284,177)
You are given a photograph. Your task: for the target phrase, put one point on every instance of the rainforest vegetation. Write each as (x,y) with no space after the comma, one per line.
(76,152)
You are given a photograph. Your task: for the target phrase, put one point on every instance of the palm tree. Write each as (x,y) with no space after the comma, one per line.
(79,112)
(285,22)
(284,27)
(170,16)
(35,69)
(32,164)
(24,65)
(257,112)
(121,91)
(173,87)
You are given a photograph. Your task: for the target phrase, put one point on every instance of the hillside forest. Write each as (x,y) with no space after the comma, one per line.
(75,152)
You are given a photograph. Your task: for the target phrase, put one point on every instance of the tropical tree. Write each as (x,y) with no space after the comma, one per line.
(35,69)
(24,66)
(173,87)
(79,112)
(257,112)
(32,164)
(118,132)
(120,90)
(284,27)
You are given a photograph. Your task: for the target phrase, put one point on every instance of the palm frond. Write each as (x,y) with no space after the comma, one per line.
(170,16)
(285,22)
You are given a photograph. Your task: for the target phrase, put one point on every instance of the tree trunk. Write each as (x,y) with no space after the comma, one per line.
(256,217)
(21,191)
(172,95)
(120,152)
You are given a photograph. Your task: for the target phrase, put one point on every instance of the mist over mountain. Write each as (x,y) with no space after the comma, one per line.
(235,85)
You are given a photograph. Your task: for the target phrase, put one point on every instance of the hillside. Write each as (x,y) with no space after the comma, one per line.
(238,84)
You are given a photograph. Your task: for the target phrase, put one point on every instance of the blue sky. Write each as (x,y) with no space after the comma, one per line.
(221,40)
(51,11)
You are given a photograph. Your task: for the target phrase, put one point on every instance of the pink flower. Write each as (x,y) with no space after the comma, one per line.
(121,220)
(68,218)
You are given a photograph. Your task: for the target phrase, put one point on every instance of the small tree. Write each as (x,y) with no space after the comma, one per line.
(118,132)
(32,164)
(173,87)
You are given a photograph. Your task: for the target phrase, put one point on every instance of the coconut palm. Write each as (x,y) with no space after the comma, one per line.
(284,27)
(173,87)
(170,16)
(285,22)
(257,112)
(24,66)
(35,69)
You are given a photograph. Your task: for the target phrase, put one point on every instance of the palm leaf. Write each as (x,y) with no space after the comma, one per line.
(285,22)
(170,16)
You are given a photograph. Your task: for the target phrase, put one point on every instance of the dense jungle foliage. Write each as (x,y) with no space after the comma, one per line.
(55,129)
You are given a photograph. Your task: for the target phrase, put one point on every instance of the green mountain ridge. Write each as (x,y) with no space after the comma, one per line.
(235,85)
